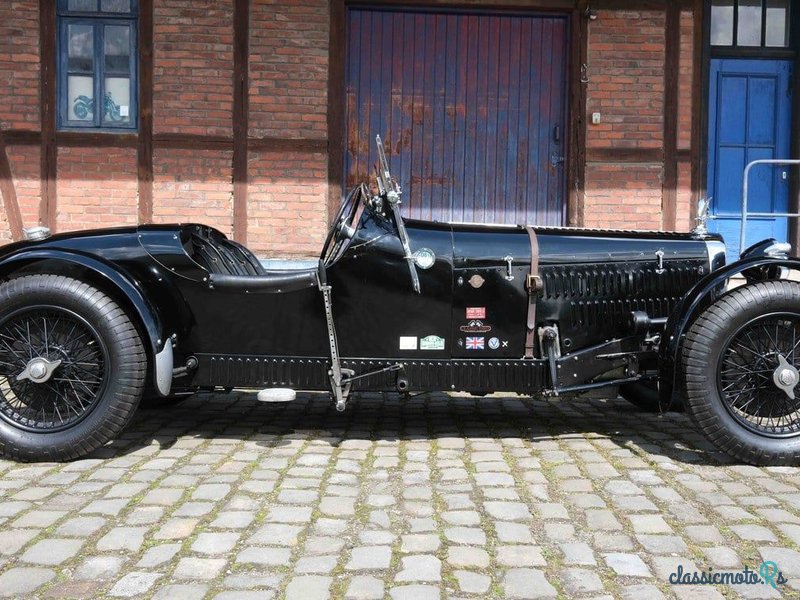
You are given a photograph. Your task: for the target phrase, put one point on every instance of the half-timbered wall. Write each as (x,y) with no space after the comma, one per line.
(242,120)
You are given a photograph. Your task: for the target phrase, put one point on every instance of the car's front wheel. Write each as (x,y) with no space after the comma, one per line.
(740,362)
(72,368)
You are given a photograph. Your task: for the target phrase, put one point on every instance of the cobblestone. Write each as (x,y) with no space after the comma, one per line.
(435,497)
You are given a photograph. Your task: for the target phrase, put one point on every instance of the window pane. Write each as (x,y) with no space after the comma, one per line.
(117,6)
(749,23)
(722,23)
(777,23)
(80,48)
(80,101)
(117,106)
(83,5)
(117,50)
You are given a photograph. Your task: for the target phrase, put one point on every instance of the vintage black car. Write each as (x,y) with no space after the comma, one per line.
(91,322)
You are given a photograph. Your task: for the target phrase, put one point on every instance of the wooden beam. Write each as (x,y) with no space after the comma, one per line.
(578,93)
(574,115)
(96,139)
(625,155)
(308,145)
(144,146)
(177,140)
(23,137)
(639,4)
(241,52)
(527,5)
(47,113)
(188,141)
(9,193)
(672,57)
(698,106)
(337,55)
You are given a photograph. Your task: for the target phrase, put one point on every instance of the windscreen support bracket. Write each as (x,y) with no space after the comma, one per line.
(389,189)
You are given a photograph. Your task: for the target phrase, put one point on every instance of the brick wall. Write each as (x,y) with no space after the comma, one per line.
(287,196)
(27,183)
(288,192)
(19,64)
(193,94)
(289,61)
(626,53)
(193,70)
(289,68)
(19,101)
(192,185)
(626,79)
(97,187)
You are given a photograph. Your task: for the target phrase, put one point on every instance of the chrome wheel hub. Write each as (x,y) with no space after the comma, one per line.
(39,370)
(786,376)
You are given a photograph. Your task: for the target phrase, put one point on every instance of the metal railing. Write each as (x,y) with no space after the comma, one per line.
(745,189)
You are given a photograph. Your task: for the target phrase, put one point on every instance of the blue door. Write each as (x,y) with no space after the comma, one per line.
(749,119)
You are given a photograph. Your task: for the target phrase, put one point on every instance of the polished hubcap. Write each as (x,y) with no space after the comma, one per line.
(53,368)
(758,375)
(39,370)
(787,377)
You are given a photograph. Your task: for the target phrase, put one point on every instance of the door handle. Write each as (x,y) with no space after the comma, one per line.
(509,268)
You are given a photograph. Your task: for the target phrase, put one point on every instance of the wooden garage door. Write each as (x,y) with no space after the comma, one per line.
(471,107)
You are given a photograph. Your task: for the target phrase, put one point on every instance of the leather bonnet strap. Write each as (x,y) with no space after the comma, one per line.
(534,285)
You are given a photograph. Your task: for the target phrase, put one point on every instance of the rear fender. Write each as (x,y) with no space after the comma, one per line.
(124,287)
(706,291)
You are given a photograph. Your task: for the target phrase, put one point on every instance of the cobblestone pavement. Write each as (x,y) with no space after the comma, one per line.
(436,497)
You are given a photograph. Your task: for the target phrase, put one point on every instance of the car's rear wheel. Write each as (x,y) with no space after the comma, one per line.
(740,362)
(72,368)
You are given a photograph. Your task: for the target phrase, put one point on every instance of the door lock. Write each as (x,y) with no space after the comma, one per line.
(556,160)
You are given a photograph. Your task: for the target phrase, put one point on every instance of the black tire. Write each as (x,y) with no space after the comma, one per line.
(94,364)
(729,360)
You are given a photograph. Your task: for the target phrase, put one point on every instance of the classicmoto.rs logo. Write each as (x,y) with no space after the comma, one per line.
(767,574)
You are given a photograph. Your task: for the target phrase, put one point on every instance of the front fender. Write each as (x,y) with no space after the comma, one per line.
(158,344)
(705,291)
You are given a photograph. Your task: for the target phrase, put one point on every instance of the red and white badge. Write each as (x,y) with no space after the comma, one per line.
(476,312)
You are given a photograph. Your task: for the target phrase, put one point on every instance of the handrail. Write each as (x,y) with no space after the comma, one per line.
(745,186)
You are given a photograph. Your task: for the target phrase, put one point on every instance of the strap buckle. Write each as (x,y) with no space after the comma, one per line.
(534,284)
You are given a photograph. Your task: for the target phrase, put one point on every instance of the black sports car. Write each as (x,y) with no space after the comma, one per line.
(90,322)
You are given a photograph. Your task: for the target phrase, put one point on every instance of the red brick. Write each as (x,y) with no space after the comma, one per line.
(97,187)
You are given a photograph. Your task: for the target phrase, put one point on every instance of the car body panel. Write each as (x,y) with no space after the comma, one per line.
(465,331)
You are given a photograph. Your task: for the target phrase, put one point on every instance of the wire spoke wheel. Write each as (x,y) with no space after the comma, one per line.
(750,367)
(53,368)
